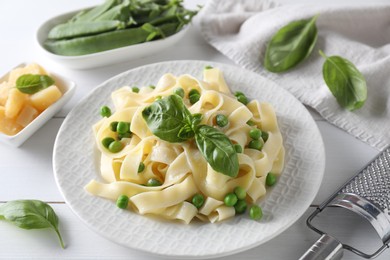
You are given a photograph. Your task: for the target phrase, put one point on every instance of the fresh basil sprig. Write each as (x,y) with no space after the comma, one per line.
(170,120)
(345,81)
(291,45)
(32,83)
(217,149)
(30,214)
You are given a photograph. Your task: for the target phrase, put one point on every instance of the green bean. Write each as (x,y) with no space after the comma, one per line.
(69,30)
(104,41)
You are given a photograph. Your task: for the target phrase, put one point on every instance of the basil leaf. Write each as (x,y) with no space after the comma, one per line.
(30,214)
(217,150)
(291,45)
(345,82)
(167,117)
(32,83)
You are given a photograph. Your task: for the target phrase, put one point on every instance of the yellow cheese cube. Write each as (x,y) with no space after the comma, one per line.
(8,126)
(27,115)
(14,103)
(44,98)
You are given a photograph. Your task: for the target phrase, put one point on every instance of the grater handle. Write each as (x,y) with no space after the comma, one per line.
(326,248)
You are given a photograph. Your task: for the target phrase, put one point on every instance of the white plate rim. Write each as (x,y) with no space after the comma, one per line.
(199,64)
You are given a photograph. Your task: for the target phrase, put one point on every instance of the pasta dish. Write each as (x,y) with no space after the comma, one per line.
(187,149)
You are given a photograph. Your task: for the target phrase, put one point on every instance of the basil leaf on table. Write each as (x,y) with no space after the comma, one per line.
(32,83)
(217,150)
(30,214)
(345,81)
(169,119)
(291,45)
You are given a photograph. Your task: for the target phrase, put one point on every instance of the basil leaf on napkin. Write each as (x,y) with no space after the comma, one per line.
(32,83)
(30,214)
(169,119)
(217,149)
(291,45)
(345,81)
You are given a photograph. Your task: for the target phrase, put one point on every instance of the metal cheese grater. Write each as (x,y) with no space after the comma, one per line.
(368,195)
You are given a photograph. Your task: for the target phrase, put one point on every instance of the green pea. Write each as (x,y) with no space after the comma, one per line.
(179,92)
(208,67)
(152,182)
(251,123)
(264,135)
(152,87)
(192,92)
(255,133)
(270,180)
(240,206)
(243,100)
(255,212)
(122,201)
(125,135)
(194,98)
(238,93)
(135,89)
(198,200)
(240,192)
(115,147)
(230,199)
(107,141)
(113,126)
(238,148)
(123,127)
(221,120)
(256,144)
(105,111)
(141,167)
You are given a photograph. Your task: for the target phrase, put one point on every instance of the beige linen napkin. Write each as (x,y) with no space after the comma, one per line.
(241,30)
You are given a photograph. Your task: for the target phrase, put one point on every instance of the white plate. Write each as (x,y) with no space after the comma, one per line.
(75,163)
(103,58)
(67,88)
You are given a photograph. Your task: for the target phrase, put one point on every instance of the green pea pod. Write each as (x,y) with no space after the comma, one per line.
(91,14)
(104,41)
(119,12)
(70,30)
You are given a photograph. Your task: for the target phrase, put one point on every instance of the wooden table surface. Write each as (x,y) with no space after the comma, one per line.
(26,172)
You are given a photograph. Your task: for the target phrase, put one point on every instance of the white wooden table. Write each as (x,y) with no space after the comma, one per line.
(26,172)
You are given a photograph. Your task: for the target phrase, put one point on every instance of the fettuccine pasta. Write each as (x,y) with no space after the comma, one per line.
(178,169)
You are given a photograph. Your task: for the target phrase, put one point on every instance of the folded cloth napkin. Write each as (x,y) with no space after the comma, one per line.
(361,34)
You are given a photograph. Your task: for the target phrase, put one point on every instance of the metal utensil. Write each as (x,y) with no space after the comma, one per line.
(368,195)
